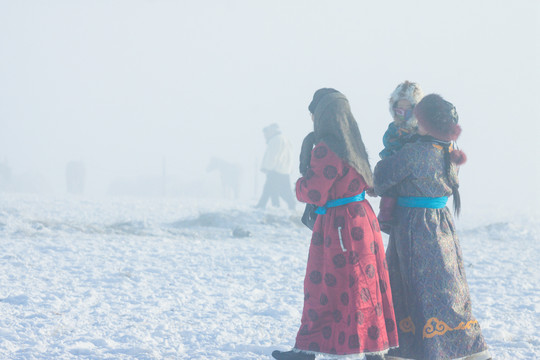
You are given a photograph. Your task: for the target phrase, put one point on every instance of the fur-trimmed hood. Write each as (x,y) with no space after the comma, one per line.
(408,91)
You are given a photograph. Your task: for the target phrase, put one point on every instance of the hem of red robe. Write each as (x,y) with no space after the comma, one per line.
(335,356)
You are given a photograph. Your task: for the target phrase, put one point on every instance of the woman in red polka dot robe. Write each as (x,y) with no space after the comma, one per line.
(347,301)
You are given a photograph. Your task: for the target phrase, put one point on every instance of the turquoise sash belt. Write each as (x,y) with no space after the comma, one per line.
(422,202)
(338,202)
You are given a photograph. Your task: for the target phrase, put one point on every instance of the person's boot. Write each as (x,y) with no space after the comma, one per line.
(386,213)
(374,357)
(292,355)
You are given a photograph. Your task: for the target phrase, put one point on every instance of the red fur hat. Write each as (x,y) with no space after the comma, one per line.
(438,117)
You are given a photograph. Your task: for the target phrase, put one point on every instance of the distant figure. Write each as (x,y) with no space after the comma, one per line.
(75,177)
(230,175)
(276,165)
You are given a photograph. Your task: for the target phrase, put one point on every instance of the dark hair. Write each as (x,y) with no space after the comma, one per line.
(453,180)
(439,119)
(319,94)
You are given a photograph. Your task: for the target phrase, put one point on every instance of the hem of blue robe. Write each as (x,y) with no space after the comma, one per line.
(334,356)
(484,355)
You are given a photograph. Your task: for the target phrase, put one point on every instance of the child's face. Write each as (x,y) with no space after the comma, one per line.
(404,105)
(403,110)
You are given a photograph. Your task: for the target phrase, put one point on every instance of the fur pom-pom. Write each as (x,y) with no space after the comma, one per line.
(458,157)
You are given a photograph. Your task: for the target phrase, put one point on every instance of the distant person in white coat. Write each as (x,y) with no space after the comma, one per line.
(277,164)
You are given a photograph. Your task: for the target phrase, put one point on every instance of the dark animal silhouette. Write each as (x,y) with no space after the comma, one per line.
(230,175)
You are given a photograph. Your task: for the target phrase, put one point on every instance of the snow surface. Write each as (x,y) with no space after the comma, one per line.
(166,279)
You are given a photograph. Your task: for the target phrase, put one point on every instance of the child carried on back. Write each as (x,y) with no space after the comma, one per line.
(402,129)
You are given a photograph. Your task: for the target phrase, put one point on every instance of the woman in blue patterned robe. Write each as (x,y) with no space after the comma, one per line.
(431,296)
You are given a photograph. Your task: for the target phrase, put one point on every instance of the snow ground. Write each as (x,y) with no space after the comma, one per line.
(161,279)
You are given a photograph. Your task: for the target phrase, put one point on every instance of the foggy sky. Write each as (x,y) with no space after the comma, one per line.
(125,85)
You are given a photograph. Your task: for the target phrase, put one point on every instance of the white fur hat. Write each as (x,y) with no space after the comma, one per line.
(405,91)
